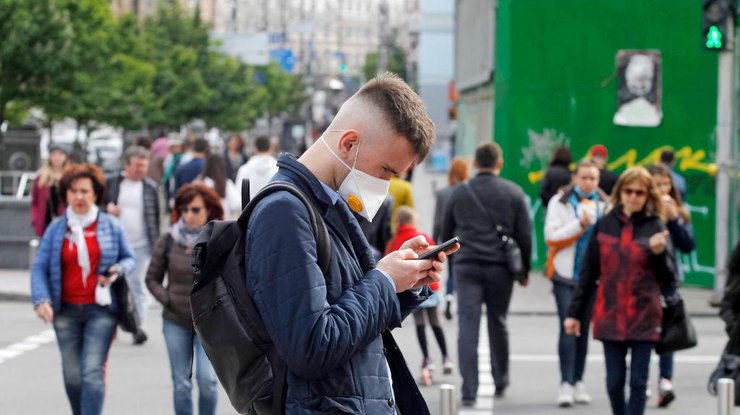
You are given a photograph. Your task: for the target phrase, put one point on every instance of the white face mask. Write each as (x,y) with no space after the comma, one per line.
(363,193)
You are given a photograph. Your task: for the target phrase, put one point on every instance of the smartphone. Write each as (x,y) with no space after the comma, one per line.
(440,248)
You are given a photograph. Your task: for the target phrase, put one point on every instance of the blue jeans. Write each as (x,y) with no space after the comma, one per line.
(615,354)
(571,349)
(84,334)
(137,285)
(181,345)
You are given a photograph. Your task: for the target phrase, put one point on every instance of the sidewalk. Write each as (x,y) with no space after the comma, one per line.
(535,299)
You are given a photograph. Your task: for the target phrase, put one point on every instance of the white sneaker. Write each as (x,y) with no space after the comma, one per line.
(581,395)
(565,395)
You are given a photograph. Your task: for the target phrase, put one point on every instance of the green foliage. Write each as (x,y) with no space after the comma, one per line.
(73,58)
(35,40)
(283,92)
(396,60)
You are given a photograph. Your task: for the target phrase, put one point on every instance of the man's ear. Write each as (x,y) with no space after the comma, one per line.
(500,163)
(347,142)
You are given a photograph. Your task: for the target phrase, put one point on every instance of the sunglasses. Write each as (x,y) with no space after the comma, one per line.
(193,210)
(636,192)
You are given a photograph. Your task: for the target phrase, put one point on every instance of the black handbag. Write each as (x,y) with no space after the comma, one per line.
(678,333)
(512,252)
(127,318)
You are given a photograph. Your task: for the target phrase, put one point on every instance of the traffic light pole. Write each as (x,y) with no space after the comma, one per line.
(726,108)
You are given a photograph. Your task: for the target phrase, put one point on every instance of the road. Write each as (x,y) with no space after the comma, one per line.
(138,377)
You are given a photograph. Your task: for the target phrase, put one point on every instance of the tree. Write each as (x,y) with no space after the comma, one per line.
(236,99)
(36,39)
(284,92)
(396,60)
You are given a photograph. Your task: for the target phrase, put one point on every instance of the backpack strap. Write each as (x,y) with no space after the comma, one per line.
(245,193)
(323,242)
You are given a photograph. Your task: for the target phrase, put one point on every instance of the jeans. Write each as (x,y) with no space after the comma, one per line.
(492,285)
(84,334)
(615,354)
(136,283)
(571,349)
(181,347)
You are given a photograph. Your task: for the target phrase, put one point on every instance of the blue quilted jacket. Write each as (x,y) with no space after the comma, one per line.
(333,331)
(46,271)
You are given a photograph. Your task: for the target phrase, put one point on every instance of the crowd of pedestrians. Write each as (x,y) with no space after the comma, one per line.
(96,230)
(612,259)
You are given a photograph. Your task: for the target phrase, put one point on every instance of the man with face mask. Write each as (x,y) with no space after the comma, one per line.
(333,330)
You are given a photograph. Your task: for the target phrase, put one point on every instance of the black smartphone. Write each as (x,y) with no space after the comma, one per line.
(440,248)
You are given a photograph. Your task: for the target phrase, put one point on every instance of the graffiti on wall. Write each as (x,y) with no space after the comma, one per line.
(536,155)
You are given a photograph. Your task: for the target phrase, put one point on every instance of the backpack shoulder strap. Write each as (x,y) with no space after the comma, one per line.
(245,193)
(323,242)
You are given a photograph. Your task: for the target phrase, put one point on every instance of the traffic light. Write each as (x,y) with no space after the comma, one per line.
(718,18)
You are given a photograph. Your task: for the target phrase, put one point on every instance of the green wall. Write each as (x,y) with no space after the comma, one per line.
(554,82)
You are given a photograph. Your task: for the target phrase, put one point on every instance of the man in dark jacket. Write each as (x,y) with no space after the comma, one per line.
(333,330)
(187,172)
(481,272)
(132,197)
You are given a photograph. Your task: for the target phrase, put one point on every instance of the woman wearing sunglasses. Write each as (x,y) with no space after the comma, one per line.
(195,205)
(625,266)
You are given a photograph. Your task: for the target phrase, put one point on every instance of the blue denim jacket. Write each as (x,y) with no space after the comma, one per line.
(46,271)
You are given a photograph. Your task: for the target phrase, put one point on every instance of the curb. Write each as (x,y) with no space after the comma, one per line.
(15,297)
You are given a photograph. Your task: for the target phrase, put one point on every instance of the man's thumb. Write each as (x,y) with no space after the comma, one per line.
(408,254)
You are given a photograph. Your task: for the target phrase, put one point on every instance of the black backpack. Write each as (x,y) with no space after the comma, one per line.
(225,317)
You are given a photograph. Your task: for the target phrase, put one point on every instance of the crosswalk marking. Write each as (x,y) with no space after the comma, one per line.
(26,345)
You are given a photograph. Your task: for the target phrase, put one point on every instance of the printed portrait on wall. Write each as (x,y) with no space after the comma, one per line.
(639,88)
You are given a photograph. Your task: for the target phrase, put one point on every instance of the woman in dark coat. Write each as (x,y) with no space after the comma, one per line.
(626,266)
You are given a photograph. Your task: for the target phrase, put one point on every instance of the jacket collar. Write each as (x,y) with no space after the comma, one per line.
(289,165)
(568,190)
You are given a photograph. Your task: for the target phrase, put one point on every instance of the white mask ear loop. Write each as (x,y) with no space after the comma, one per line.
(323,140)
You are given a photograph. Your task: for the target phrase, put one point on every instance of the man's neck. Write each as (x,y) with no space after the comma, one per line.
(321,165)
(494,172)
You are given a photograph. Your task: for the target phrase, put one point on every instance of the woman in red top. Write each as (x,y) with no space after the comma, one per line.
(406,221)
(81,254)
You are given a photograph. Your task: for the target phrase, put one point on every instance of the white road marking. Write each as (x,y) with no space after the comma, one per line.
(26,345)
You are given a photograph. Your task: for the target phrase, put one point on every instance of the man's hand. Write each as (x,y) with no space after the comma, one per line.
(658,242)
(585,220)
(572,326)
(524,282)
(45,312)
(408,272)
(113,209)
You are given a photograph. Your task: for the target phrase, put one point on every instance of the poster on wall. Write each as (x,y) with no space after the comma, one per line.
(639,88)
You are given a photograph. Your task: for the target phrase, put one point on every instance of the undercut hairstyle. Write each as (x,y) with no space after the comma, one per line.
(262,143)
(135,151)
(187,193)
(487,155)
(402,108)
(405,215)
(83,171)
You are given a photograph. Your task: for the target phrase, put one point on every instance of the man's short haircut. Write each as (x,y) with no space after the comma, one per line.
(402,108)
(667,157)
(200,145)
(262,143)
(405,215)
(585,164)
(135,151)
(487,155)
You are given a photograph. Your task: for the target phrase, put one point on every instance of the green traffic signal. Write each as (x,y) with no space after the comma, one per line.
(714,38)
